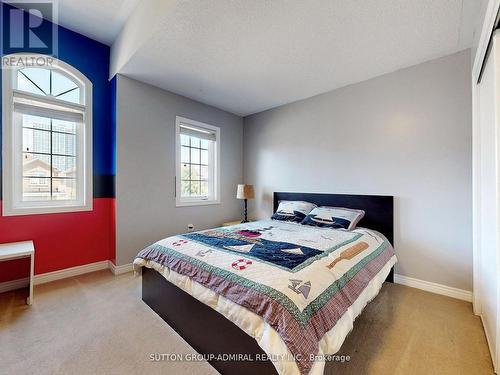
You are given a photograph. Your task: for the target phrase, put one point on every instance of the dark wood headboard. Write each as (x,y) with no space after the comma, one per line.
(379,209)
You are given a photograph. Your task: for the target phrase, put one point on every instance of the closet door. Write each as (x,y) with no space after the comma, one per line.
(487,197)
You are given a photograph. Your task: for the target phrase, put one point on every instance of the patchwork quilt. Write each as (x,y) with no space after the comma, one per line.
(299,279)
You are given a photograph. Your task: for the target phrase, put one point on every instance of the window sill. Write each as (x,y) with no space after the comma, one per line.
(45,210)
(196,203)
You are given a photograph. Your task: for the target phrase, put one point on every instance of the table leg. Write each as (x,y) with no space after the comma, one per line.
(32,268)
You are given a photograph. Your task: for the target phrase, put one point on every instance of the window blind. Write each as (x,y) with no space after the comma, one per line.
(197,132)
(40,106)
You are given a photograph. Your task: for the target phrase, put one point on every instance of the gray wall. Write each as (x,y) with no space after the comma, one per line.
(145,168)
(406,134)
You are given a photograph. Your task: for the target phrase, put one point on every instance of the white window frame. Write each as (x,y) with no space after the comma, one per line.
(12,168)
(215,169)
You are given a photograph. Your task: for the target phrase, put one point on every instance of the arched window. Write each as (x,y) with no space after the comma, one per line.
(47,140)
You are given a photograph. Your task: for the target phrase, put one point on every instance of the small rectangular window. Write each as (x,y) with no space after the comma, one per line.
(197,163)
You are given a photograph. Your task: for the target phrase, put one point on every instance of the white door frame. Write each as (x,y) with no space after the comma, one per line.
(488,24)
(489,21)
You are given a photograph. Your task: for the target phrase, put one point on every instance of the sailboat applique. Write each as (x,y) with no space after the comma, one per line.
(297,251)
(240,248)
(300,287)
(203,252)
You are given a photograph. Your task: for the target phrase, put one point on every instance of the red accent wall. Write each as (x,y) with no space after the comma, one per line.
(61,240)
(73,239)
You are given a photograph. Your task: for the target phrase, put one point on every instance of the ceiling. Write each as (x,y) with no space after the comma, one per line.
(101,20)
(248,56)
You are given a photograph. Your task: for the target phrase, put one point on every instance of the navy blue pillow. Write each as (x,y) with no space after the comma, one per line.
(295,211)
(334,217)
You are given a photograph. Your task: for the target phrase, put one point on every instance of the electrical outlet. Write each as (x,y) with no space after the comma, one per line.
(190,227)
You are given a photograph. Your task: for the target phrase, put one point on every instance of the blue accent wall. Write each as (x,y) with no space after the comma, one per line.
(92,59)
(113,123)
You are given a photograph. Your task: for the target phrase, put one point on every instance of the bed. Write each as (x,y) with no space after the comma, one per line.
(270,297)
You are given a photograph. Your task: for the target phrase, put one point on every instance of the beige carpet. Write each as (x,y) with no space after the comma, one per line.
(97,324)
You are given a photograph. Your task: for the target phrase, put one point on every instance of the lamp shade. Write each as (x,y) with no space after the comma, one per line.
(245,192)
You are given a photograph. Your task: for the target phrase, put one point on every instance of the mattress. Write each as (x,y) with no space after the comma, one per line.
(296,289)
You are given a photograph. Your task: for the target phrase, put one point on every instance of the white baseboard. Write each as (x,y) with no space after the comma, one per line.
(70,272)
(53,276)
(433,287)
(118,270)
(7,286)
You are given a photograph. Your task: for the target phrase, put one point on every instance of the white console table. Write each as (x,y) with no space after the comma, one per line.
(16,250)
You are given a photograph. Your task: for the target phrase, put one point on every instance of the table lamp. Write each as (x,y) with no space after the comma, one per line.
(245,192)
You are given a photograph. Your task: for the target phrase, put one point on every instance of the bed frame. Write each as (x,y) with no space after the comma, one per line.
(209,332)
